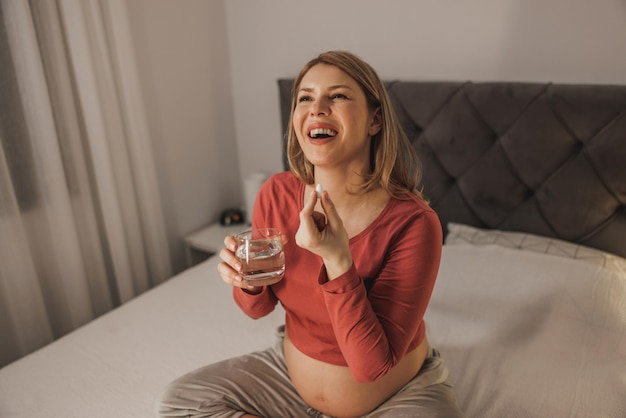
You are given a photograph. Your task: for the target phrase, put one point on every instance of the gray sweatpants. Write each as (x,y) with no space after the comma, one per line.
(258,383)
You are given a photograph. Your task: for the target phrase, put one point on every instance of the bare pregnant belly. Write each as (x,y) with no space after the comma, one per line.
(332,390)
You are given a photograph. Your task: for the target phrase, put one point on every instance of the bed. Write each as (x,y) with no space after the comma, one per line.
(529,309)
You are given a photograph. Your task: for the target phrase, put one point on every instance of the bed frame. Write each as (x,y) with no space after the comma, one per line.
(548,159)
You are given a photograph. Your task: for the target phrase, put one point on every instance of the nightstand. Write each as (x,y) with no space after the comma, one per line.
(208,241)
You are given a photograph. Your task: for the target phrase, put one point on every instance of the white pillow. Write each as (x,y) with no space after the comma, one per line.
(465,234)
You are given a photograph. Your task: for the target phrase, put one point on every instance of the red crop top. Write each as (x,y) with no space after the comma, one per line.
(371,316)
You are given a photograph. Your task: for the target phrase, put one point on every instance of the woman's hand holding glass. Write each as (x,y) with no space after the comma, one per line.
(230,268)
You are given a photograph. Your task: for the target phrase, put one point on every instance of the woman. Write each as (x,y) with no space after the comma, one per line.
(361,263)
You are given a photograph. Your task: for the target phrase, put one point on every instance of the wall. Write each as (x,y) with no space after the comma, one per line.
(577,41)
(182,55)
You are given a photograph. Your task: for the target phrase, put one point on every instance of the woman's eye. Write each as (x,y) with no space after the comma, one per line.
(304,99)
(338,96)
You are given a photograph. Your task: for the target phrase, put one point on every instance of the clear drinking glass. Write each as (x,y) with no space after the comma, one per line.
(261,254)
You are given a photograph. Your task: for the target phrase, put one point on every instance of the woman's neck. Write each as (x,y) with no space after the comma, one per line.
(342,185)
(357,210)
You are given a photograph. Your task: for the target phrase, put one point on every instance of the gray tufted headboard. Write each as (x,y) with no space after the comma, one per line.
(547,159)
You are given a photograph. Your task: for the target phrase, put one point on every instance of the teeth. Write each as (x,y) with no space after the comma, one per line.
(321,131)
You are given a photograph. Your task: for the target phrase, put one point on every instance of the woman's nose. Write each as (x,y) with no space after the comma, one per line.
(320,107)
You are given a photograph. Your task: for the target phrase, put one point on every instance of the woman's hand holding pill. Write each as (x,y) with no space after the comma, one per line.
(324,234)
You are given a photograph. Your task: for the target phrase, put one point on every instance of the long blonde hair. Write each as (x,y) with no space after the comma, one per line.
(394,164)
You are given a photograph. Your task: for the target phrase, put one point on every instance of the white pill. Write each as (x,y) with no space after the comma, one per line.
(318,190)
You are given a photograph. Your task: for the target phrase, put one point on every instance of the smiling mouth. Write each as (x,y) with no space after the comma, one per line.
(320,133)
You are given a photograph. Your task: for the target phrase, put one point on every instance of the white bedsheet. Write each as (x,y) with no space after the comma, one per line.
(524,334)
(117,365)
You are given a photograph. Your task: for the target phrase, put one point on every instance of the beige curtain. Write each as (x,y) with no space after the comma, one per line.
(81,226)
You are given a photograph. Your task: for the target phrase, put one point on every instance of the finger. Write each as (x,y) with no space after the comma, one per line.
(229,257)
(306,215)
(229,276)
(332,216)
(230,242)
(309,205)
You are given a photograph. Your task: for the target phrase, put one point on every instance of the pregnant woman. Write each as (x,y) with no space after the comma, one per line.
(361,260)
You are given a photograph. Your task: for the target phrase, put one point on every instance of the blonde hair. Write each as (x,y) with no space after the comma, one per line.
(394,163)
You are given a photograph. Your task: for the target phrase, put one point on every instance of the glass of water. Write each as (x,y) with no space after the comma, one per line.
(261,254)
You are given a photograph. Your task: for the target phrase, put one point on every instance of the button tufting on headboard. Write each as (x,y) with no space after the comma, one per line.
(548,159)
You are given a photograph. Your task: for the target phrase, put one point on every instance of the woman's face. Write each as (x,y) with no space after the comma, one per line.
(332,121)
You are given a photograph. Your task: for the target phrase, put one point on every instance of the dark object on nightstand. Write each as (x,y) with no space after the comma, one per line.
(231,217)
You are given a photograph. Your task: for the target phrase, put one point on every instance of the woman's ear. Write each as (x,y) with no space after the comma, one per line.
(376,122)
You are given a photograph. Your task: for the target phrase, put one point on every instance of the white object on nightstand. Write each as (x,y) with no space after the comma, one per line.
(208,241)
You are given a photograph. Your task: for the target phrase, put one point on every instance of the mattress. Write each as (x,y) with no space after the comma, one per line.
(525,333)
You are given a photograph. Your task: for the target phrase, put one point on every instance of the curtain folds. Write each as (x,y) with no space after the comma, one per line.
(81,226)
